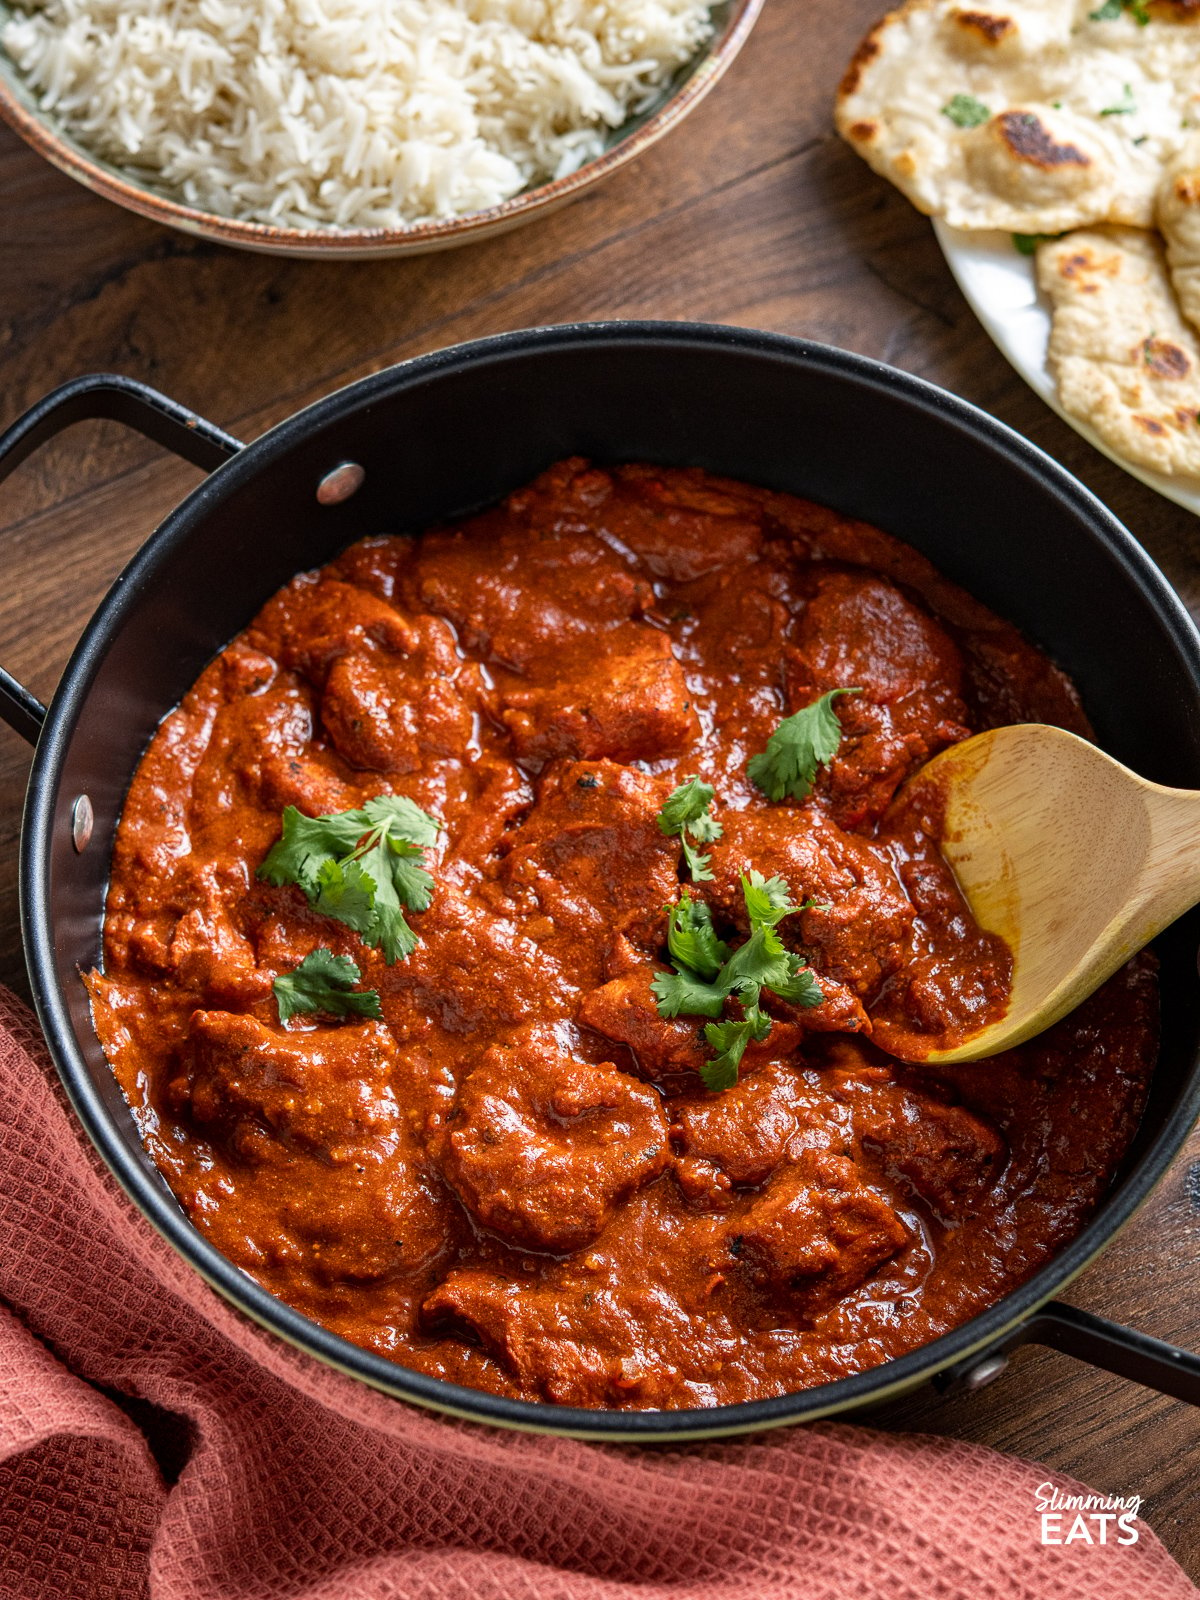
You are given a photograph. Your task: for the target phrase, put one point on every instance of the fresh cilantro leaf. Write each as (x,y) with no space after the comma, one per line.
(692,939)
(346,893)
(965,111)
(682,993)
(413,884)
(323,982)
(800,744)
(802,988)
(404,818)
(707,973)
(698,863)
(1125,107)
(363,867)
(729,1040)
(685,804)
(686,811)
(389,930)
(760,963)
(1026,244)
(1112,9)
(768,900)
(307,841)
(705,828)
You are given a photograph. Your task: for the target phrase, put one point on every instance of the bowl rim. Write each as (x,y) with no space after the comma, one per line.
(39,130)
(148,1191)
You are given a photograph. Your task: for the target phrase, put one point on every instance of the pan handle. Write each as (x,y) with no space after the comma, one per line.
(114,398)
(1118,1349)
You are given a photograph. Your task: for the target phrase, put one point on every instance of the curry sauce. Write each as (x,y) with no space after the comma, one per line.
(515,1178)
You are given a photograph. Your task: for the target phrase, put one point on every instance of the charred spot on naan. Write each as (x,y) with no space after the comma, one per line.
(1036,157)
(1083,268)
(991,29)
(1028,138)
(1165,360)
(866,52)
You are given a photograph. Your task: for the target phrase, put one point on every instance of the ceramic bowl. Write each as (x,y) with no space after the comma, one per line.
(733,20)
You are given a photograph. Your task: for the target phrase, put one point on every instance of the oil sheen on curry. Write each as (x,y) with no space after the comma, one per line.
(507,932)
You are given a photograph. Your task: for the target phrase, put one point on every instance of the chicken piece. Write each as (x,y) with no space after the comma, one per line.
(583,1333)
(769,1116)
(858,933)
(541,1147)
(473,969)
(840,1010)
(320,1091)
(859,631)
(816,1233)
(571,1349)
(317,619)
(208,954)
(394,689)
(958,977)
(624,1009)
(245,671)
(946,1155)
(379,1217)
(590,855)
(882,745)
(322,1103)
(391,714)
(949,1156)
(680,523)
(261,750)
(496,795)
(545,587)
(625,699)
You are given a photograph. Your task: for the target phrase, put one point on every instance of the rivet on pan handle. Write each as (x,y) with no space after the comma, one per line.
(1121,1350)
(110,397)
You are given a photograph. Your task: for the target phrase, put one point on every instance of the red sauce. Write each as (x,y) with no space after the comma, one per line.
(517,1180)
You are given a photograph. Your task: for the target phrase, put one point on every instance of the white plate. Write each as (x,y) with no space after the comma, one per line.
(1001,288)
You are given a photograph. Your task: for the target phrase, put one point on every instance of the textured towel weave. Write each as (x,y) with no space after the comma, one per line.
(154,1443)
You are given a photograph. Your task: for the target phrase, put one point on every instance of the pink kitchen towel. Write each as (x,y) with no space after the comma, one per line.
(154,1443)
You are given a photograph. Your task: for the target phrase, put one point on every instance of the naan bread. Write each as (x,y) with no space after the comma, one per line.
(1124,359)
(1179,219)
(1083,114)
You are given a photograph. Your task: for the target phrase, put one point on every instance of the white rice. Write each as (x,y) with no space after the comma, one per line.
(349,113)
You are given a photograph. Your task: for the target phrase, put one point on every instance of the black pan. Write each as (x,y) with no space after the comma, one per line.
(444,435)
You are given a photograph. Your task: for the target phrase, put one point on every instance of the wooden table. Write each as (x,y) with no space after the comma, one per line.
(752,213)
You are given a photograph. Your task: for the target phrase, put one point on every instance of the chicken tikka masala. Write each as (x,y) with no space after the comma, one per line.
(507,933)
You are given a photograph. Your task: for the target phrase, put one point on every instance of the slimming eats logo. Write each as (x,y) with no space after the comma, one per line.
(1086,1518)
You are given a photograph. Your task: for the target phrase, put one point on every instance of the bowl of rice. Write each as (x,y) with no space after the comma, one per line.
(354,128)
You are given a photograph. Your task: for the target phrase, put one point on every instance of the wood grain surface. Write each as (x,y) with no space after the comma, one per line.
(753,213)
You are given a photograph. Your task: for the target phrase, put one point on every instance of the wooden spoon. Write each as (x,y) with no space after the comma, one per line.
(1072,859)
